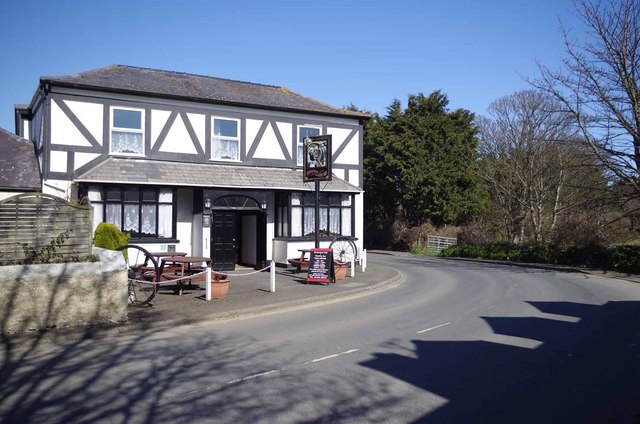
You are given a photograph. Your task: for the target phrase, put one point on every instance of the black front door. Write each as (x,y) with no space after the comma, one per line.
(224,235)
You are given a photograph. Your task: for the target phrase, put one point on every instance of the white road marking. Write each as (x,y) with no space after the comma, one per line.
(331,356)
(262,374)
(432,328)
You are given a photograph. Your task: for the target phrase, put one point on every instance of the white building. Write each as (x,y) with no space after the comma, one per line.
(208,166)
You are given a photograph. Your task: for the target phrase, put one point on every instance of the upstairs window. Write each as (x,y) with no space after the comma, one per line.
(127,131)
(305,131)
(225,143)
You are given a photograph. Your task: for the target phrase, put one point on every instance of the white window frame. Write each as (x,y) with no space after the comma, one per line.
(299,142)
(113,128)
(218,137)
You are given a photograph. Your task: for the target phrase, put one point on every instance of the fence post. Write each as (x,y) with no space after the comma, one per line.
(207,279)
(272,277)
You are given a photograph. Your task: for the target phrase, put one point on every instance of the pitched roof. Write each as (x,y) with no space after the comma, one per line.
(19,169)
(180,85)
(140,171)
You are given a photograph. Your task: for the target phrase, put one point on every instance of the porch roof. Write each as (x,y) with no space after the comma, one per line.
(150,172)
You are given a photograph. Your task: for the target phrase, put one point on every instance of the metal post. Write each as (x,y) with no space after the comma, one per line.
(317,218)
(207,280)
(272,277)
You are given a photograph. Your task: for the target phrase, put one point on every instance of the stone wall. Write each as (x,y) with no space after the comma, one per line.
(63,295)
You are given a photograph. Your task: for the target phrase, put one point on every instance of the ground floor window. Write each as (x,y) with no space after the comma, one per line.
(143,212)
(295,214)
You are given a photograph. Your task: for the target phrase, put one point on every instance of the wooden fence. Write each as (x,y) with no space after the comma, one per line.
(436,243)
(31,223)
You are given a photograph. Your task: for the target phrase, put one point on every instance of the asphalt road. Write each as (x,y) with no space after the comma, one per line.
(456,342)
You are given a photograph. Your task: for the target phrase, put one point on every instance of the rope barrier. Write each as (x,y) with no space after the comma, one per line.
(189,277)
(250,273)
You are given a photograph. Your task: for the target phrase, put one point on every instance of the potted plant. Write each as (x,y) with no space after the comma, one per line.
(340,269)
(219,285)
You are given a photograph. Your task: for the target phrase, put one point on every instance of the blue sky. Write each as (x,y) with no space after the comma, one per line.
(340,52)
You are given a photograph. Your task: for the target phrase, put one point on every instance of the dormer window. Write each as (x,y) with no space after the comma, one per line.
(225,142)
(127,131)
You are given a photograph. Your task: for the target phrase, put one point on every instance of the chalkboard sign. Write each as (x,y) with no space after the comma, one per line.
(320,266)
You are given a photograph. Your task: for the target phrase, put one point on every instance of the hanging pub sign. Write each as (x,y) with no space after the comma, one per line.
(316,165)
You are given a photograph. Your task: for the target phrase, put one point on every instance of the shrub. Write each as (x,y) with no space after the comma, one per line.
(626,258)
(591,256)
(108,236)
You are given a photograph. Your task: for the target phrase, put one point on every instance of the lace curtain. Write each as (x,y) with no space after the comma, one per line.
(126,142)
(225,149)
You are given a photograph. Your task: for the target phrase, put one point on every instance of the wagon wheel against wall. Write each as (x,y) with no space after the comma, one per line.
(143,274)
(344,249)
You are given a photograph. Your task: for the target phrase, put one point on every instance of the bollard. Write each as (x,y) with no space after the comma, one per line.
(364,260)
(207,279)
(353,267)
(272,279)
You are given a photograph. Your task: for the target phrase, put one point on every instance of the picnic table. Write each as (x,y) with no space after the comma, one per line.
(160,255)
(181,266)
(303,261)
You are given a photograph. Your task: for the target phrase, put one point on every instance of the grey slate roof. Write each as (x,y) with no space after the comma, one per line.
(139,171)
(144,81)
(19,169)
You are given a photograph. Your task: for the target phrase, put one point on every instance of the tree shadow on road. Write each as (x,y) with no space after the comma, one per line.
(582,370)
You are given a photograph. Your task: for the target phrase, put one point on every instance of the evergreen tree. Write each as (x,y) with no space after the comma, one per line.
(418,164)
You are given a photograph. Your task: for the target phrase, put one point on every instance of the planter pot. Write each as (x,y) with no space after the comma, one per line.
(219,289)
(340,270)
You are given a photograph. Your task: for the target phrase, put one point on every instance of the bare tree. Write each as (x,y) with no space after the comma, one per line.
(531,171)
(598,84)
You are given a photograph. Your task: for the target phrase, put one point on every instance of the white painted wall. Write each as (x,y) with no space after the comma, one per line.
(25,129)
(271,228)
(58,188)
(269,148)
(80,159)
(184,220)
(158,121)
(252,126)
(359,221)
(63,131)
(198,124)
(90,114)
(178,139)
(58,161)
(350,153)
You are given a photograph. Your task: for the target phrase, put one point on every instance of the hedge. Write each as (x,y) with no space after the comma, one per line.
(625,258)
